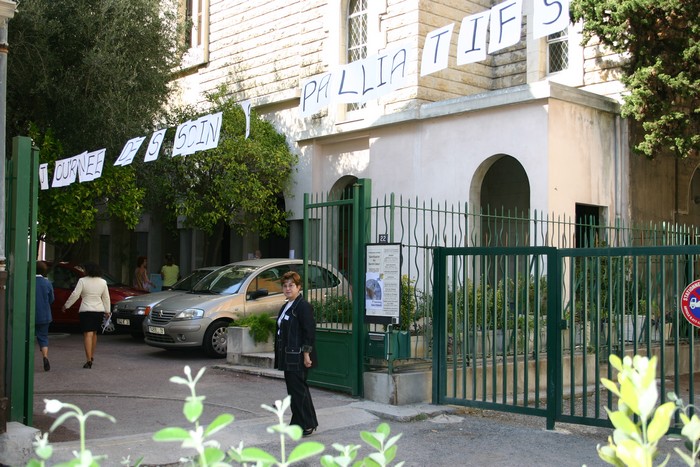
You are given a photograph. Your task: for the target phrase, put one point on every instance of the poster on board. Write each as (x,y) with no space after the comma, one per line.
(383,283)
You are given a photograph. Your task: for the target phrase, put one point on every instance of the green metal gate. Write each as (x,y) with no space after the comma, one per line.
(335,228)
(530,329)
(22,180)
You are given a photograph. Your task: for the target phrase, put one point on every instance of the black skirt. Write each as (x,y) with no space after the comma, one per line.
(91,320)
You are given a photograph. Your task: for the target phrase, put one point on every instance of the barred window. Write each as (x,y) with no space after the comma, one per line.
(558,51)
(357,36)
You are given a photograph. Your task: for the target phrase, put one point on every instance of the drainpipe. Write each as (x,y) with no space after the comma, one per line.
(7,11)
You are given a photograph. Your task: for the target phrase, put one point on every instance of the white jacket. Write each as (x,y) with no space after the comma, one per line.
(94,292)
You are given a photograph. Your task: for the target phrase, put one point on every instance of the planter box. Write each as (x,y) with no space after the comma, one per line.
(240,342)
(581,338)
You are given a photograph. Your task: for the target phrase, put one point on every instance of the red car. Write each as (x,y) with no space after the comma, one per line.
(64,277)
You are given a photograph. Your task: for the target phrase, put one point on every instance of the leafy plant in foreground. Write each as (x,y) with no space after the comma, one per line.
(44,450)
(208,451)
(639,423)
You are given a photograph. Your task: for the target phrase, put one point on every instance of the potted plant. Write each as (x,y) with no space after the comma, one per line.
(251,334)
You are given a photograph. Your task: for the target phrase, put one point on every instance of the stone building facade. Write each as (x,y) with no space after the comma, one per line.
(535,126)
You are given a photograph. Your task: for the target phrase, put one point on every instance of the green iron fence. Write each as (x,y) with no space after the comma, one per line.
(421,226)
(498,288)
(623,301)
(530,329)
(491,309)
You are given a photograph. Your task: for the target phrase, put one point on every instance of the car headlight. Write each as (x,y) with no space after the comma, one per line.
(190,313)
(142,310)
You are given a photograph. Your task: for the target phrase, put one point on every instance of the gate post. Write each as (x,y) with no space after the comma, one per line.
(21,295)
(439,322)
(361,228)
(554,353)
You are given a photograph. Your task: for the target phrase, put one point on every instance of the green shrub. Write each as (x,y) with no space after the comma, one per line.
(333,309)
(262,326)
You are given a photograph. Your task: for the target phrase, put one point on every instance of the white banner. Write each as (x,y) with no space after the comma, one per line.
(192,136)
(90,165)
(506,24)
(436,51)
(44,176)
(369,78)
(374,76)
(551,16)
(154,145)
(129,151)
(471,44)
(197,135)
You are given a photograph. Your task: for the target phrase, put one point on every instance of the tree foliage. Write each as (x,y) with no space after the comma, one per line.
(237,184)
(85,75)
(659,42)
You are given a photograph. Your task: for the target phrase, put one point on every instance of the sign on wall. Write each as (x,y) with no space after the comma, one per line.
(383,283)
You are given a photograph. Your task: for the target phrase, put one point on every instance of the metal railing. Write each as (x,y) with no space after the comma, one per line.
(420,226)
(531,329)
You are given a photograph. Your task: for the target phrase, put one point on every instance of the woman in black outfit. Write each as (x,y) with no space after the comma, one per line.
(295,352)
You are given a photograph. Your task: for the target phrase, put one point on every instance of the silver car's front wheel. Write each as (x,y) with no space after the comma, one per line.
(215,339)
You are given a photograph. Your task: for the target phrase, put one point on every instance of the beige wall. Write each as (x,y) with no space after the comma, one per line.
(437,136)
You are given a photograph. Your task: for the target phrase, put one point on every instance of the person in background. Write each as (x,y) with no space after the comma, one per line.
(94,307)
(295,351)
(170,272)
(141,281)
(44,299)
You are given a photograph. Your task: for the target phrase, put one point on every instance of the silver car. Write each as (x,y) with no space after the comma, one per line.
(128,315)
(200,317)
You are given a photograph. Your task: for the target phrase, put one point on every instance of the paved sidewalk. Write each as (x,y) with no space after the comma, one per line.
(131,382)
(431,435)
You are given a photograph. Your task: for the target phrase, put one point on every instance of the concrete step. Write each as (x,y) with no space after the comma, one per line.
(257,360)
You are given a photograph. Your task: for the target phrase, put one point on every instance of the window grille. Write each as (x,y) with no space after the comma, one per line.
(558,51)
(357,36)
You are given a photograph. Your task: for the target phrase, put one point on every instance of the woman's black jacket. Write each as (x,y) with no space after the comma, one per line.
(295,335)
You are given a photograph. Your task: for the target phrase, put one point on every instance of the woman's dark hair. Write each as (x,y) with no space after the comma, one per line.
(140,260)
(42,268)
(291,276)
(92,270)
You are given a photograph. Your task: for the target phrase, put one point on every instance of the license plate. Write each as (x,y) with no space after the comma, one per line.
(124,322)
(156,330)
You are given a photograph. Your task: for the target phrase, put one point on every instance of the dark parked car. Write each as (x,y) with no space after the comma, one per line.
(128,314)
(64,277)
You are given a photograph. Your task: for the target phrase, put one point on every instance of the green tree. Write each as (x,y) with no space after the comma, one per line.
(659,41)
(85,75)
(239,184)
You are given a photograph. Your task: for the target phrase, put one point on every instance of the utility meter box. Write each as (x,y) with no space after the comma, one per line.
(392,345)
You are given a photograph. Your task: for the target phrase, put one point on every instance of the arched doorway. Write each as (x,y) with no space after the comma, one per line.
(501,190)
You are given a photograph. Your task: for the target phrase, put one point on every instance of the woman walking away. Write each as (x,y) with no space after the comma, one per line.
(43,318)
(295,353)
(93,291)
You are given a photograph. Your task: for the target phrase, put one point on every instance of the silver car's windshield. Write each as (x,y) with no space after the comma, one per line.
(185,284)
(227,280)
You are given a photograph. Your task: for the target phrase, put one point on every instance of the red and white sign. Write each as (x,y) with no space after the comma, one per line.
(690,303)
